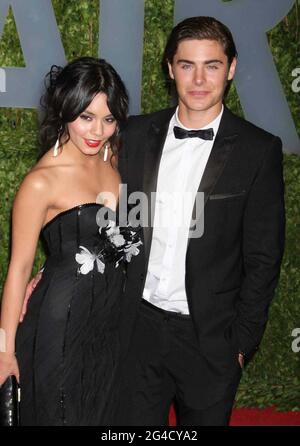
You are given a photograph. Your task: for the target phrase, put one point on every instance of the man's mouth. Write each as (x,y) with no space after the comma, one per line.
(198,94)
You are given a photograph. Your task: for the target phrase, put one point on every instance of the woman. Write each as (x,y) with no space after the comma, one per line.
(67,347)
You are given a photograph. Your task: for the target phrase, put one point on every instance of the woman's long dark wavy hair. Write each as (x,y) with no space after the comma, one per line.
(71,89)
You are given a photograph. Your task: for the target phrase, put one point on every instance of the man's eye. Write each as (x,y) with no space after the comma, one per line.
(186,67)
(212,67)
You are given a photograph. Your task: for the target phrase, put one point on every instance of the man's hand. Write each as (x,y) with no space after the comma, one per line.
(241,360)
(29,289)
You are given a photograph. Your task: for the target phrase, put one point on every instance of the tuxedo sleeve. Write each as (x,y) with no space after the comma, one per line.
(263,245)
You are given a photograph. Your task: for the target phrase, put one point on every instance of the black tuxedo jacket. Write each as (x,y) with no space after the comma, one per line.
(233,269)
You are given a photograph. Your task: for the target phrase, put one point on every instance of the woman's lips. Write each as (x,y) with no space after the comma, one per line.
(92,143)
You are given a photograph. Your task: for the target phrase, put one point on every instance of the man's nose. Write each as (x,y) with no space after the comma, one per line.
(199,75)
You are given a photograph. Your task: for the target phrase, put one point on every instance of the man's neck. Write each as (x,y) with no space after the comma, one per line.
(195,119)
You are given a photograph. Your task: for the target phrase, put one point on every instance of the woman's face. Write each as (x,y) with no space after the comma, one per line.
(93,127)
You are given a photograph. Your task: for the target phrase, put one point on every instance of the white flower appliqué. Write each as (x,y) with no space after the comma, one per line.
(116,244)
(131,250)
(87,259)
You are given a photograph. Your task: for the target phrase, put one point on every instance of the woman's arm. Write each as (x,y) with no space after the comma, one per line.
(29,213)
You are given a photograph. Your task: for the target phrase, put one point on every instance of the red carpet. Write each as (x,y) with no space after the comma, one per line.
(256,417)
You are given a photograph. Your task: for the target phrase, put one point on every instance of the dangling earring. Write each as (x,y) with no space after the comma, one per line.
(106,147)
(56,146)
(55,150)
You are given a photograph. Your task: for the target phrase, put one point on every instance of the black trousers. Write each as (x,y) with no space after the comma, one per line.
(165,365)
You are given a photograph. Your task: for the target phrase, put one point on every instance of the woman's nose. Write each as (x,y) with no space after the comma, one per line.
(97,128)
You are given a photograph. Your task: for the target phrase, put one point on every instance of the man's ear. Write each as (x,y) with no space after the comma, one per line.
(232,69)
(171,74)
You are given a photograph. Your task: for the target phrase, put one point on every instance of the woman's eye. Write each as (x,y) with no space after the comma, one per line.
(110,120)
(85,117)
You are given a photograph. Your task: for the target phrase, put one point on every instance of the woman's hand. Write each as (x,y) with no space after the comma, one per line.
(29,290)
(8,366)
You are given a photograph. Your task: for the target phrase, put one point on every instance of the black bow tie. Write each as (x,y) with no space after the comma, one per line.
(181,133)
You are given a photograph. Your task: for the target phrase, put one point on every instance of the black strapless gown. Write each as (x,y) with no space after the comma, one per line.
(68,345)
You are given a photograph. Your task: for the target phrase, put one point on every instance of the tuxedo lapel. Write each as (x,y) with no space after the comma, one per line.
(223,145)
(155,142)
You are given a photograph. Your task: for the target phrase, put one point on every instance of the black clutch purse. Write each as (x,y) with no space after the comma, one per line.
(9,402)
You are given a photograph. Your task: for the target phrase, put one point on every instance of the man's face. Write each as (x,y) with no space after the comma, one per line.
(200,70)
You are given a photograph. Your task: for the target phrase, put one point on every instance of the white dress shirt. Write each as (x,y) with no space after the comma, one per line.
(181,168)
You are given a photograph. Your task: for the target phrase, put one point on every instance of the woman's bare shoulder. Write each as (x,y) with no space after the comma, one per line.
(41,176)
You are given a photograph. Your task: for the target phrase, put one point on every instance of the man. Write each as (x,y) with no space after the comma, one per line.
(195,309)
